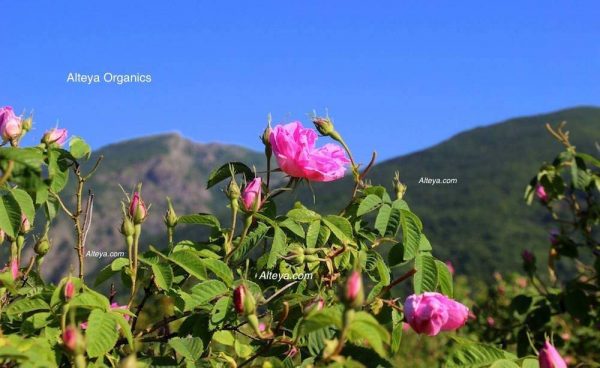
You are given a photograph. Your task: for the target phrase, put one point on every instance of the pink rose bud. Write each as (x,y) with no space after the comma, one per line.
(528,257)
(490,321)
(69,289)
(353,293)
(243,302)
(450,267)
(25,224)
(251,195)
(14,268)
(262,327)
(117,306)
(429,313)
(550,358)
(137,209)
(69,337)
(314,305)
(10,124)
(55,136)
(554,236)
(295,152)
(540,192)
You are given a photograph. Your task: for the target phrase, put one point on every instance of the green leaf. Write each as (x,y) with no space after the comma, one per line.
(504,363)
(10,215)
(32,157)
(277,247)
(365,327)
(250,241)
(220,269)
(208,290)
(190,262)
(444,278)
(79,148)
(382,219)
(27,305)
(303,215)
(114,267)
(368,204)
(530,363)
(312,234)
(200,219)
(411,233)
(90,299)
(424,245)
(340,227)
(425,279)
(224,172)
(397,331)
(220,310)
(294,227)
(25,203)
(163,275)
(125,329)
(321,319)
(190,348)
(101,334)
(470,354)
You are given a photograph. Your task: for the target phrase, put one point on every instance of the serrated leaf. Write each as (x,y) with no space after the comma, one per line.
(205,219)
(207,291)
(444,278)
(25,203)
(425,279)
(277,247)
(10,215)
(504,363)
(382,219)
(312,234)
(469,354)
(293,226)
(79,148)
(220,310)
(411,233)
(250,241)
(111,269)
(190,262)
(220,269)
(125,329)
(27,305)
(224,172)
(397,331)
(101,334)
(163,275)
(368,204)
(90,299)
(190,348)
(340,227)
(303,215)
(321,319)
(365,327)
(32,156)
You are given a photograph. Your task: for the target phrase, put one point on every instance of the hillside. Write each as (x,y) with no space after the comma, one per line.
(480,223)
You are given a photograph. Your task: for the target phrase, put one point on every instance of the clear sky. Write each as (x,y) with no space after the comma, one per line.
(396,76)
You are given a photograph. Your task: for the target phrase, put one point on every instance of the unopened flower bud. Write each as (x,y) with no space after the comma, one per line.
(25,224)
(296,255)
(243,301)
(55,136)
(233,191)
(42,246)
(73,340)
(353,293)
(10,125)
(69,289)
(314,305)
(137,209)
(550,358)
(14,268)
(540,192)
(27,124)
(266,137)
(399,187)
(528,257)
(324,125)
(170,216)
(252,195)
(127,227)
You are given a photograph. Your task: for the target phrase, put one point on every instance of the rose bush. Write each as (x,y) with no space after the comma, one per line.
(218,311)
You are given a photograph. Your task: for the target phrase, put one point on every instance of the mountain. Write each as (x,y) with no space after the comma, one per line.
(480,223)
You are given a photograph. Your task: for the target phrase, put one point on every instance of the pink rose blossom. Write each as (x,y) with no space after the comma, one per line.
(251,195)
(69,338)
(294,149)
(69,289)
(10,124)
(56,136)
(429,313)
(550,358)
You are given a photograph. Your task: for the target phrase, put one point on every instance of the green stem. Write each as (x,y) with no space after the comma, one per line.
(247,224)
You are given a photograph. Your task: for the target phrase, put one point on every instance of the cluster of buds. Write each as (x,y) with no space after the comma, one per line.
(353,293)
(298,255)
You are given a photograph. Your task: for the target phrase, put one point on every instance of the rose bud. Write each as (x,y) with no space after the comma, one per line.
(137,209)
(527,256)
(550,358)
(490,321)
(25,224)
(399,187)
(55,136)
(243,301)
(450,267)
(323,125)
(170,217)
(127,227)
(42,246)
(353,293)
(69,289)
(251,195)
(10,124)
(314,305)
(233,190)
(14,268)
(540,192)
(296,255)
(73,340)
(429,313)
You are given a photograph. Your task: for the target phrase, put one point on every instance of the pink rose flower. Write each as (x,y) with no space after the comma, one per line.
(550,358)
(294,149)
(10,124)
(251,195)
(429,313)
(55,136)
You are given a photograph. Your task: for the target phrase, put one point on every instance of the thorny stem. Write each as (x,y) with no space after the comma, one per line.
(399,280)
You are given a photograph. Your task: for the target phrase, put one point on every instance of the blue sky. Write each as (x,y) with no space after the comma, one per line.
(397,76)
